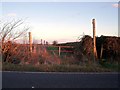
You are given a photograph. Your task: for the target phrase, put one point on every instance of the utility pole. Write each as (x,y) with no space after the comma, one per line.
(30,42)
(94,40)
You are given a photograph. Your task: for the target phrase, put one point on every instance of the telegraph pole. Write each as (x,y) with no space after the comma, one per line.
(94,40)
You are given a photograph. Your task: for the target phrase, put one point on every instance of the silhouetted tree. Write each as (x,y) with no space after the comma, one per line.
(55,42)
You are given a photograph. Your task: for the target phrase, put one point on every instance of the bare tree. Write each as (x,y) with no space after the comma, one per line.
(10,31)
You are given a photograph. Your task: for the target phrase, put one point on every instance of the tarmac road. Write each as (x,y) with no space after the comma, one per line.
(59,80)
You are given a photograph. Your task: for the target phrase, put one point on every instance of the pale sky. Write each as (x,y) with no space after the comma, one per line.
(64,21)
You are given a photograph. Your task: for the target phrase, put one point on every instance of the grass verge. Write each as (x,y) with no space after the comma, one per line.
(58,68)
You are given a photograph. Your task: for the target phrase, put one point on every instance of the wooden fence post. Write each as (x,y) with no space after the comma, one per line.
(94,40)
(41,41)
(59,50)
(30,42)
(101,52)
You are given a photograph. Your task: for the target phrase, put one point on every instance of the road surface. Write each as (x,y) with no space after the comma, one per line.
(59,80)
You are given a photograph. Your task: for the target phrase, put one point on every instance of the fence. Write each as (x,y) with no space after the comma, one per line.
(59,49)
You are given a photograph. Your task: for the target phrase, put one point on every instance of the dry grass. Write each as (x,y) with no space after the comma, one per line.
(56,68)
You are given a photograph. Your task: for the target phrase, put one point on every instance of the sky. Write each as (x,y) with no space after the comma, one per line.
(64,21)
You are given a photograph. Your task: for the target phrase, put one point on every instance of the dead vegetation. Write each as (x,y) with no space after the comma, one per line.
(108,49)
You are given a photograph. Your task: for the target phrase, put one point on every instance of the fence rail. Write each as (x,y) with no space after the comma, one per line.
(60,47)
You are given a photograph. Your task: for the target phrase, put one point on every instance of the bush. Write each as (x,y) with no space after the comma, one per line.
(114,66)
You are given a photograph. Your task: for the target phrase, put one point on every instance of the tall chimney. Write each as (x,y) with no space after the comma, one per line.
(94,39)
(30,41)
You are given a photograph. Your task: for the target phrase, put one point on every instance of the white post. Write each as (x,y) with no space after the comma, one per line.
(59,50)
